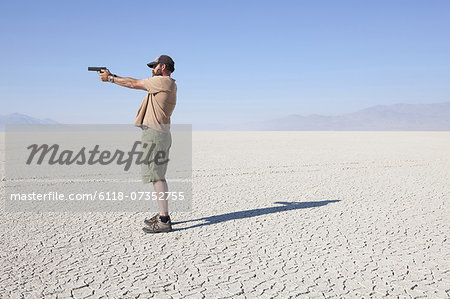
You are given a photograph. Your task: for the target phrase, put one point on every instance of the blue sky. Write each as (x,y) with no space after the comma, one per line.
(236,61)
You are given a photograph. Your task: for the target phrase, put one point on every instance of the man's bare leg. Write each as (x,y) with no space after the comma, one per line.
(161,186)
(159,223)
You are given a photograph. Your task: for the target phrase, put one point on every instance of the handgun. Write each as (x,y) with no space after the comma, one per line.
(97,68)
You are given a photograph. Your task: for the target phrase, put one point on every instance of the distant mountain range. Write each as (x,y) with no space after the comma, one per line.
(398,117)
(17,118)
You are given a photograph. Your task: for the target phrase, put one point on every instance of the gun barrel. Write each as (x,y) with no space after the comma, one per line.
(96,68)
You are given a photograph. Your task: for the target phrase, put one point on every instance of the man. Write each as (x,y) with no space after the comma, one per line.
(154,118)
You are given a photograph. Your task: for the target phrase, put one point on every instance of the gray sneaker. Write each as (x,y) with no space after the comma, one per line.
(158,227)
(152,220)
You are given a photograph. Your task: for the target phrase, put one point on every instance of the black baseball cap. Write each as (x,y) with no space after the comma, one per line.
(162,59)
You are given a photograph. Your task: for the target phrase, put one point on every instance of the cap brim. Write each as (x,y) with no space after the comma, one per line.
(152,64)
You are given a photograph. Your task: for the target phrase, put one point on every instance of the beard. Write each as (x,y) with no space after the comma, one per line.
(157,73)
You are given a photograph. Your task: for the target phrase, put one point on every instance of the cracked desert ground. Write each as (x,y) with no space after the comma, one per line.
(275,215)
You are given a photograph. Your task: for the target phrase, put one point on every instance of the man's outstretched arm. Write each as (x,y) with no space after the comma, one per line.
(105,76)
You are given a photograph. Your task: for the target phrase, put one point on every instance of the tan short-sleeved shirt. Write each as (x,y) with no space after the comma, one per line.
(158,105)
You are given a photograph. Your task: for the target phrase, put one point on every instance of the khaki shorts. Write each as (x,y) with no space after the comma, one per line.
(159,143)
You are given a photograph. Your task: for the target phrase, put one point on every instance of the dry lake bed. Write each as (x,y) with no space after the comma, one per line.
(275,215)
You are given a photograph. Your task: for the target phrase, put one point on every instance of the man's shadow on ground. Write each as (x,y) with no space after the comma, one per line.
(285,206)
